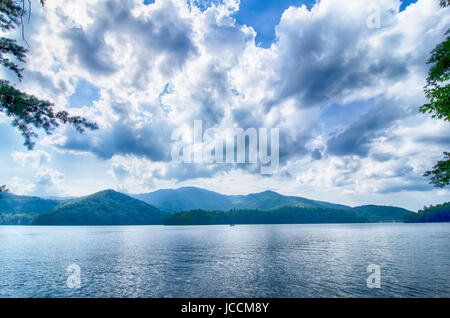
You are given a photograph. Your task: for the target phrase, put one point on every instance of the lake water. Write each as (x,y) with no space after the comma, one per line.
(224,261)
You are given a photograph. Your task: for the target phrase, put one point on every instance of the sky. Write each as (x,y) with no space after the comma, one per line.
(343,94)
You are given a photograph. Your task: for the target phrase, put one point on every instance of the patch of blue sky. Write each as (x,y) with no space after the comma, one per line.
(56,68)
(85,94)
(11,141)
(84,167)
(10,137)
(406,3)
(264,15)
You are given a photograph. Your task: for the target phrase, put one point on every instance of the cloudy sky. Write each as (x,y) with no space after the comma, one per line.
(343,93)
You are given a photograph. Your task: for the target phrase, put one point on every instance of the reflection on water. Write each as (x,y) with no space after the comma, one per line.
(224,261)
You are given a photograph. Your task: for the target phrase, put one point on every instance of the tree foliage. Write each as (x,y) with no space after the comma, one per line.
(436,213)
(27,111)
(437,89)
(437,92)
(440,176)
(3,189)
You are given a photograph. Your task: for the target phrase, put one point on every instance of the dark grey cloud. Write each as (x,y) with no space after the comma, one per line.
(50,84)
(406,181)
(381,157)
(124,137)
(357,138)
(185,171)
(443,141)
(247,118)
(91,50)
(149,142)
(212,96)
(323,62)
(293,145)
(406,187)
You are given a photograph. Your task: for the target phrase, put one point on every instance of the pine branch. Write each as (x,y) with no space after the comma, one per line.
(27,111)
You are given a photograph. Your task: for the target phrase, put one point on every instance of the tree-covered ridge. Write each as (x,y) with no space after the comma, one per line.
(16,209)
(18,204)
(270,200)
(436,213)
(286,215)
(15,219)
(377,213)
(102,208)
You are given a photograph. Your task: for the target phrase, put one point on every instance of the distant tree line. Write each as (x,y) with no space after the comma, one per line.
(15,219)
(285,215)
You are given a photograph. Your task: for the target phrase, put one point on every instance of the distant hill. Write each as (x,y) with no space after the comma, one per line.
(436,213)
(285,215)
(269,200)
(15,204)
(18,209)
(102,208)
(191,198)
(376,213)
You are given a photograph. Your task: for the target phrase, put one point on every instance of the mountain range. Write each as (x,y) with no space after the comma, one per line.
(190,198)
(113,208)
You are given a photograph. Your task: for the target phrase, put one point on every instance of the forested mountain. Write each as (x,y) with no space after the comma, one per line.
(17,209)
(190,198)
(102,208)
(14,204)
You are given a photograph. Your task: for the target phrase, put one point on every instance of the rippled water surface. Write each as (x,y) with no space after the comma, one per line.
(224,261)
